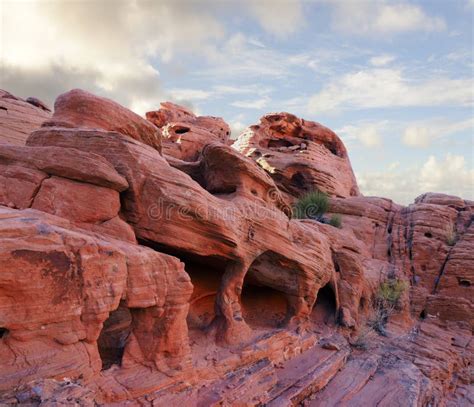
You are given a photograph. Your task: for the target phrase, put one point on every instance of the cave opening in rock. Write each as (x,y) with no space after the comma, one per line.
(325,308)
(3,332)
(279,143)
(464,282)
(266,287)
(114,335)
(206,275)
(298,180)
(263,307)
(181,130)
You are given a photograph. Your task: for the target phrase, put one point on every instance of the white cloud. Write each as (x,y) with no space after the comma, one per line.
(239,58)
(251,104)
(106,50)
(423,134)
(381,60)
(368,134)
(415,136)
(278,17)
(258,89)
(237,125)
(451,175)
(375,17)
(379,88)
(189,94)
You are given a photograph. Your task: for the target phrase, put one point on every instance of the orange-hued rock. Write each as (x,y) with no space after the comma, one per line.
(128,277)
(67,163)
(19,184)
(77,201)
(78,108)
(18,118)
(68,282)
(224,226)
(184,133)
(299,155)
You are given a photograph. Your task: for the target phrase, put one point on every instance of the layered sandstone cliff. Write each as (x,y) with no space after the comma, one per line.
(151,262)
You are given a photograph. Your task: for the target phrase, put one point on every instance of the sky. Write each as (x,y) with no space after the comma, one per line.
(393,78)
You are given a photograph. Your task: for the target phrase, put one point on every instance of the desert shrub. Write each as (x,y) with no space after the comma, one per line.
(363,338)
(451,236)
(391,290)
(336,221)
(386,301)
(313,205)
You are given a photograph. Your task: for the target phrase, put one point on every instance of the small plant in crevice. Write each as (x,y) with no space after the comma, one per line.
(451,237)
(363,338)
(312,205)
(386,302)
(336,221)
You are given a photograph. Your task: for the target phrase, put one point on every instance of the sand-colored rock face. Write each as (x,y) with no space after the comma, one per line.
(127,276)
(299,155)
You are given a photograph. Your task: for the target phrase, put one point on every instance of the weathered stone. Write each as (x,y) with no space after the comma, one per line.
(78,108)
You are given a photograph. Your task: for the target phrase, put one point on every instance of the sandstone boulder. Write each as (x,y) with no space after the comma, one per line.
(78,108)
(59,285)
(184,133)
(299,155)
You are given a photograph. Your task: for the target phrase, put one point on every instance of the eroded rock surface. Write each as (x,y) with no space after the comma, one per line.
(18,118)
(184,133)
(131,277)
(300,155)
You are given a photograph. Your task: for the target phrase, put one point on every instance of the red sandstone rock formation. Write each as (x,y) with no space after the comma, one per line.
(299,155)
(182,279)
(184,133)
(18,118)
(78,108)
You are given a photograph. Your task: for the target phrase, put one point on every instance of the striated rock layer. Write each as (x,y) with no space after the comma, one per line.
(130,277)
(18,117)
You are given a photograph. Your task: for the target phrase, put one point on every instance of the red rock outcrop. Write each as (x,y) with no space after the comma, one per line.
(132,277)
(78,108)
(300,155)
(18,118)
(184,133)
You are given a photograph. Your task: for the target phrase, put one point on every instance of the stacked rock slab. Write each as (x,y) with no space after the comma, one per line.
(105,244)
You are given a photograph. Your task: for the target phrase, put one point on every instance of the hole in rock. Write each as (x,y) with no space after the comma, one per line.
(332,147)
(3,332)
(325,308)
(362,304)
(279,143)
(270,279)
(181,130)
(222,189)
(463,282)
(298,180)
(113,336)
(428,234)
(423,314)
(206,279)
(263,307)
